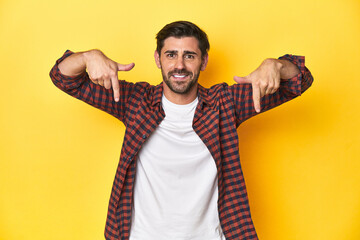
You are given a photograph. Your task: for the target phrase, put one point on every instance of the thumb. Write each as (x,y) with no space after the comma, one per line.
(127,67)
(241,80)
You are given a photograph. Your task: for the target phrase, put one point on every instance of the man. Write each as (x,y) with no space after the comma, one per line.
(179,174)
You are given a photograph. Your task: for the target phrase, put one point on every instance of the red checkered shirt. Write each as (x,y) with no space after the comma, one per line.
(221,109)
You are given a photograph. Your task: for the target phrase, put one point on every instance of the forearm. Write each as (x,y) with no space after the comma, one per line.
(291,76)
(73,65)
(305,76)
(288,69)
(81,87)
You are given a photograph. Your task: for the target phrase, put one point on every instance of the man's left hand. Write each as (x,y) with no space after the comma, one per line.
(264,80)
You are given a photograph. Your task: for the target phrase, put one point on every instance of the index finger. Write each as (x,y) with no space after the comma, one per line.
(256,98)
(115,87)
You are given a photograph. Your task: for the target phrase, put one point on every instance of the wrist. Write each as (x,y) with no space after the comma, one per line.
(73,65)
(288,69)
(275,64)
(87,56)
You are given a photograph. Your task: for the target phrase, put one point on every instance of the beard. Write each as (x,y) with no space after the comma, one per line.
(182,87)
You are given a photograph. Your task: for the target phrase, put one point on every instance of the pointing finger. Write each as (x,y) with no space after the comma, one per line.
(116,88)
(256,98)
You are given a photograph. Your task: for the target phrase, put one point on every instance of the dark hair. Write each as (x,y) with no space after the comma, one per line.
(183,29)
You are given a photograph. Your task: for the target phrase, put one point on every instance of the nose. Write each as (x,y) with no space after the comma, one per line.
(179,63)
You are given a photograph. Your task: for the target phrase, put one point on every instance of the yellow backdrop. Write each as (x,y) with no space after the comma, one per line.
(58,156)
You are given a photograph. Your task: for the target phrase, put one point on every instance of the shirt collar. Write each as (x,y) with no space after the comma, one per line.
(204,98)
(157,94)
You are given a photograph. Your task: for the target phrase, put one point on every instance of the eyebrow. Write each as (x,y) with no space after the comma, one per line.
(190,52)
(185,52)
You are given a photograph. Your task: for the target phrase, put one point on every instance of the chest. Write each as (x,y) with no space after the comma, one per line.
(211,125)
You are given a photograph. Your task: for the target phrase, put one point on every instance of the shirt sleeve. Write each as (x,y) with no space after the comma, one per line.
(82,88)
(289,89)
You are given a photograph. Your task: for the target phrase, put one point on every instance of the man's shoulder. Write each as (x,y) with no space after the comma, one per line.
(215,94)
(214,89)
(145,92)
(140,86)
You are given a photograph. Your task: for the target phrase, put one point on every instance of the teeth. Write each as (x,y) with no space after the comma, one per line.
(179,76)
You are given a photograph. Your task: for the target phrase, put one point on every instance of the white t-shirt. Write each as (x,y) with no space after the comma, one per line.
(176,190)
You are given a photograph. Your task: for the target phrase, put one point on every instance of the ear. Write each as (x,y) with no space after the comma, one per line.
(204,62)
(157,59)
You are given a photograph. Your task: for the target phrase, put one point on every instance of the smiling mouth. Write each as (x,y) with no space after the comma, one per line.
(179,76)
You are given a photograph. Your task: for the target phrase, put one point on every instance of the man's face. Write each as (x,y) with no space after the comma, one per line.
(180,62)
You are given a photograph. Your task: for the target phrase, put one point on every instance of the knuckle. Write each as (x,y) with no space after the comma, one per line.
(264,84)
(116,87)
(93,76)
(113,74)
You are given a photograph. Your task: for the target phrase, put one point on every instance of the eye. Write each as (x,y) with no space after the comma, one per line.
(189,56)
(170,55)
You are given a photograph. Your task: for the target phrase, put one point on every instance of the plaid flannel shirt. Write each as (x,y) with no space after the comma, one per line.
(221,109)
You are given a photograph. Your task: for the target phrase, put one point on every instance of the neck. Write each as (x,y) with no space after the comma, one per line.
(181,98)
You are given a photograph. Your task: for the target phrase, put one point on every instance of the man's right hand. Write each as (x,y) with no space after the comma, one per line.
(101,69)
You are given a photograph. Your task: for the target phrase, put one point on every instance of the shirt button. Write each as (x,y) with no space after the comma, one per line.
(143,136)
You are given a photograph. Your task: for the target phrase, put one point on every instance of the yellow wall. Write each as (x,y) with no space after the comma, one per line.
(58,155)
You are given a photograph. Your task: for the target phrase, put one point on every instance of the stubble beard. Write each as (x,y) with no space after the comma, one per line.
(180,87)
